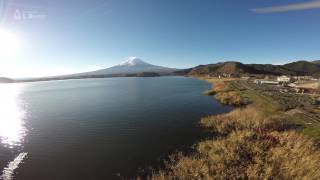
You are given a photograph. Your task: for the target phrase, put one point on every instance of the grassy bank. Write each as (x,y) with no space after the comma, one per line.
(270,136)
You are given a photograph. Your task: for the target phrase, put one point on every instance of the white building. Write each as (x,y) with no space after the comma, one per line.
(283,78)
(262,81)
(302,77)
(293,85)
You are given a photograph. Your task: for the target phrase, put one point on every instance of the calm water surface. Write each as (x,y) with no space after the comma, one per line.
(97,128)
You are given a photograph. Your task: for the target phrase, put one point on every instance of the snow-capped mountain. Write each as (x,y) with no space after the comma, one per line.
(132,61)
(132,65)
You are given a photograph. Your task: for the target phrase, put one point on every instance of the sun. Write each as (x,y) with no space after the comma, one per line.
(9,43)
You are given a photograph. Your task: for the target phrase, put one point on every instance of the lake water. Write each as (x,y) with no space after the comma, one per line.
(98,128)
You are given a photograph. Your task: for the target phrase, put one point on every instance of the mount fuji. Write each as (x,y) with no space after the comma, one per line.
(131,66)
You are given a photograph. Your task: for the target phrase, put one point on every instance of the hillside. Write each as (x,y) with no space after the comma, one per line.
(6,80)
(316,62)
(226,67)
(270,69)
(237,68)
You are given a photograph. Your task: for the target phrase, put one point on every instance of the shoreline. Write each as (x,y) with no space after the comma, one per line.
(259,139)
(41,79)
(83,78)
(248,94)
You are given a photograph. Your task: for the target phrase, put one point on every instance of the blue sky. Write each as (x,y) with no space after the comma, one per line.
(77,35)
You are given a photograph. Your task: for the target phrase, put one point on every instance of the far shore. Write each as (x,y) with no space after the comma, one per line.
(81,77)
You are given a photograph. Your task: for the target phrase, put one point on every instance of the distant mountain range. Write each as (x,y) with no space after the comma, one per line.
(6,80)
(316,62)
(132,65)
(231,67)
(135,67)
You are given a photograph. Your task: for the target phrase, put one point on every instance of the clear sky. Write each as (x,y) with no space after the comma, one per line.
(50,37)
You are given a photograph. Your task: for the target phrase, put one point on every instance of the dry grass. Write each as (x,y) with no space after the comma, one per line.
(229,98)
(221,87)
(184,167)
(249,155)
(218,87)
(254,143)
(248,118)
(225,94)
(215,80)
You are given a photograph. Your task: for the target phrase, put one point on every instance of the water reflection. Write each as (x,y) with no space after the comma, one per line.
(8,172)
(12,129)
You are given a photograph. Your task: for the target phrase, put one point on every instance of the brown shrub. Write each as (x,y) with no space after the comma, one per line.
(184,167)
(220,86)
(295,156)
(248,118)
(231,158)
(230,98)
(249,155)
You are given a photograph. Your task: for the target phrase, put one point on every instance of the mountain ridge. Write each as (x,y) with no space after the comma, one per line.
(316,61)
(237,68)
(310,68)
(6,80)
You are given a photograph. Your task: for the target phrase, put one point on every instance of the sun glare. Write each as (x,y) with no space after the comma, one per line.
(9,43)
(12,128)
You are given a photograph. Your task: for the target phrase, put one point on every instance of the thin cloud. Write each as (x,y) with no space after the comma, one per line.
(290,7)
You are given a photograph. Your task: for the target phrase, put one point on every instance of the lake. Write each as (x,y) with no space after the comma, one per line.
(98,128)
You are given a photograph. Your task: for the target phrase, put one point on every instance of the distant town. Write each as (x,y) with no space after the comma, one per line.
(297,84)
